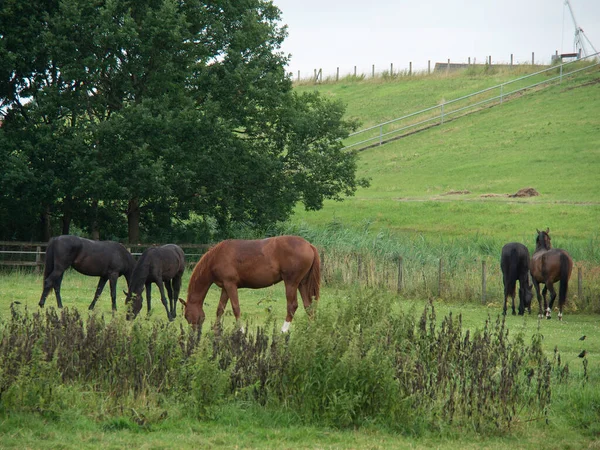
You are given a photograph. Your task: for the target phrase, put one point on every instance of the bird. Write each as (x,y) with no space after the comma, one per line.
(582,338)
(582,354)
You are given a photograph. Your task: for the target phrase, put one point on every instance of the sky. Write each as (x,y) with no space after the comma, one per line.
(327,34)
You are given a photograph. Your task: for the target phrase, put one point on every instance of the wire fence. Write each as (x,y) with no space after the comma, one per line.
(448,110)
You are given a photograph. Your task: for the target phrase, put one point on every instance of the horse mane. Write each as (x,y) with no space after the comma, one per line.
(205,263)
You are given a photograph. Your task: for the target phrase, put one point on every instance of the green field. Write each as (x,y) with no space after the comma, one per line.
(548,140)
(89,419)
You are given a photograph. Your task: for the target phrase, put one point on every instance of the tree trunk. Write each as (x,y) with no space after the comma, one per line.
(46,230)
(94,226)
(133,220)
(66,218)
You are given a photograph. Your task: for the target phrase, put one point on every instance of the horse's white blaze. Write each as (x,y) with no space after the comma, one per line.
(285,327)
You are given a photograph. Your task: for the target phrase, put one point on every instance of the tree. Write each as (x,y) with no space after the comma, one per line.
(157,110)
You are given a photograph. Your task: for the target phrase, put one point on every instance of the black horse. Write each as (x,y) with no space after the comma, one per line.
(514,262)
(105,259)
(158,265)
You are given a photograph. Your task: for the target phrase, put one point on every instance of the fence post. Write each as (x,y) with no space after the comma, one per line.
(359,264)
(354,70)
(511,60)
(391,69)
(440,276)
(442,114)
(428,67)
(400,270)
(373,71)
(38,259)
(580,283)
(533,58)
(483,280)
(410,68)
(298,75)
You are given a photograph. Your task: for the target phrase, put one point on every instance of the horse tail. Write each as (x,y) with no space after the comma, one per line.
(313,277)
(49,259)
(564,279)
(513,272)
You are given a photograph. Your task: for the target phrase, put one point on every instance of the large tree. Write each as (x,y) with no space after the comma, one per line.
(154,110)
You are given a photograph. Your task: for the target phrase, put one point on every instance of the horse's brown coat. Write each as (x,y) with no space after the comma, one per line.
(255,264)
(549,265)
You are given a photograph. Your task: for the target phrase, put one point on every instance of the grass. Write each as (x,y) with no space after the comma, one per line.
(246,425)
(548,140)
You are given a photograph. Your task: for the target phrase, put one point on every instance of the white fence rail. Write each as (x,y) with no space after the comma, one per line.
(436,115)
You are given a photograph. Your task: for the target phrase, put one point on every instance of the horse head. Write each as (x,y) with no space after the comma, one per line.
(193,312)
(133,301)
(542,241)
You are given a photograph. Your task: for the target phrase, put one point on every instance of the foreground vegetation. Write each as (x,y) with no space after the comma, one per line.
(402,371)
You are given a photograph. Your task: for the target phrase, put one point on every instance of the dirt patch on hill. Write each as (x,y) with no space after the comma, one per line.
(493,195)
(457,192)
(526,192)
(521,193)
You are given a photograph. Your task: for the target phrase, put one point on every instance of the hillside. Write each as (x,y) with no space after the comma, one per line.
(548,140)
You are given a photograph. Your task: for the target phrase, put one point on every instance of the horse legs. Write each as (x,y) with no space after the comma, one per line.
(99,289)
(222,304)
(291,294)
(546,307)
(113,289)
(148,296)
(306,299)
(176,282)
(536,285)
(52,281)
(172,299)
(550,287)
(163,299)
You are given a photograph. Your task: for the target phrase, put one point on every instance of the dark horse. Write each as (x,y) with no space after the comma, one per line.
(514,263)
(255,264)
(160,265)
(549,265)
(105,259)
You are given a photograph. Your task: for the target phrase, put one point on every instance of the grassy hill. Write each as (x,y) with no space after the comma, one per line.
(548,139)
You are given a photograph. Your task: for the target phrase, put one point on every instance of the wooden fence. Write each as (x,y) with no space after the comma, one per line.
(399,276)
(32,254)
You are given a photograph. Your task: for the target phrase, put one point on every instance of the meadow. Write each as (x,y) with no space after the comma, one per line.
(377,368)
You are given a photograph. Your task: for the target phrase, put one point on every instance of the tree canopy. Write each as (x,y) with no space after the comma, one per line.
(131,118)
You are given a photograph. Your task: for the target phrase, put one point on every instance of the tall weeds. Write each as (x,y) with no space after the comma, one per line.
(358,362)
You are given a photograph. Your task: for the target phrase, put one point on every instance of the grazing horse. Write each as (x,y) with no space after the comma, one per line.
(105,259)
(549,265)
(255,264)
(161,265)
(514,262)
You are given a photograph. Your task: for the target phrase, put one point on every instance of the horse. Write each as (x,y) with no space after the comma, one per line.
(514,262)
(162,265)
(549,265)
(105,259)
(255,264)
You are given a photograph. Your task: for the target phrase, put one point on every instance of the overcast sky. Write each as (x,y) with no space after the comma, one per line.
(345,33)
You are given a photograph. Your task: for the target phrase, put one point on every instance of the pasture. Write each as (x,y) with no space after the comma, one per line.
(155,420)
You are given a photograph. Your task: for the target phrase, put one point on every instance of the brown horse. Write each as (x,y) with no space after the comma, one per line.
(255,264)
(549,265)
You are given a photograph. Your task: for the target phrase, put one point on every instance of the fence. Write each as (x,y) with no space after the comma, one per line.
(438,114)
(317,75)
(475,281)
(32,254)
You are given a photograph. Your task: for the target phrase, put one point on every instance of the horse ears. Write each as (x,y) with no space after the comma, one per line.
(124,292)
(183,302)
(538,231)
(547,230)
